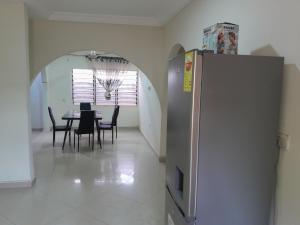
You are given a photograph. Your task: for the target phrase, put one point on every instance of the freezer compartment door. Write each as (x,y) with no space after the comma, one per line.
(182,133)
(174,215)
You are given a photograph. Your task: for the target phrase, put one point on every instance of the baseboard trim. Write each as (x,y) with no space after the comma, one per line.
(148,142)
(17,184)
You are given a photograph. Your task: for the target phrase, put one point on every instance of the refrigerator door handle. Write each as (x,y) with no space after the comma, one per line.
(188,220)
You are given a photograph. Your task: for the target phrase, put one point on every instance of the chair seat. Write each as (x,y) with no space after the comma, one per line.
(105,123)
(62,128)
(108,123)
(105,126)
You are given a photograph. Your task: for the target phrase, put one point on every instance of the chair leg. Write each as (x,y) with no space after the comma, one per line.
(100,142)
(112,135)
(116,132)
(99,139)
(93,141)
(103,135)
(70,137)
(78,143)
(89,140)
(53,142)
(66,133)
(70,133)
(74,141)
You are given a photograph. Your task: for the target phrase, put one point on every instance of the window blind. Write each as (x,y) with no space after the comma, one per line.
(127,94)
(86,88)
(82,86)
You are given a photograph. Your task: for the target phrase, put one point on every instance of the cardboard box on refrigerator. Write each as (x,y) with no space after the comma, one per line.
(222,38)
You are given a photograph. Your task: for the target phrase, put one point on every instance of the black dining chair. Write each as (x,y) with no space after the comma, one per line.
(56,128)
(86,126)
(110,125)
(85,106)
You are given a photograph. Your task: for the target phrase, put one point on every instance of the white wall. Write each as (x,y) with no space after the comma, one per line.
(267,27)
(149,113)
(16,156)
(58,88)
(144,46)
(36,103)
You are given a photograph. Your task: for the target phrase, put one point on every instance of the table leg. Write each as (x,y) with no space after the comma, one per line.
(66,132)
(98,131)
(70,133)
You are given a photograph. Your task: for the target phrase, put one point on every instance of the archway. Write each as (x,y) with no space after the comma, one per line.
(144,47)
(56,79)
(173,52)
(177,49)
(104,182)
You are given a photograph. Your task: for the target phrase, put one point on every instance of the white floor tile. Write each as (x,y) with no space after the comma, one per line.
(122,184)
(76,218)
(4,221)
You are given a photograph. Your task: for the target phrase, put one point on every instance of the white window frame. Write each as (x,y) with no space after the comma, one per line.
(130,95)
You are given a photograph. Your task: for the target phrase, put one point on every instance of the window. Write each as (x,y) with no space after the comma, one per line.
(86,88)
(83,86)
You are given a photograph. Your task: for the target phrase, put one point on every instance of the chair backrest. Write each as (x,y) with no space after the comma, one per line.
(115,115)
(51,116)
(85,106)
(87,121)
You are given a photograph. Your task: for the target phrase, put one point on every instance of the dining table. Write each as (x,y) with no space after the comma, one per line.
(72,115)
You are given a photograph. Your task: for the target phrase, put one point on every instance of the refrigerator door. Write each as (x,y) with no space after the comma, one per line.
(237,147)
(182,134)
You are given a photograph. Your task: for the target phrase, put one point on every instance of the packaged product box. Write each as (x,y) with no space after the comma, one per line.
(222,38)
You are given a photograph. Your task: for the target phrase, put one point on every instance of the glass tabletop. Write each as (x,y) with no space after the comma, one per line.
(75,115)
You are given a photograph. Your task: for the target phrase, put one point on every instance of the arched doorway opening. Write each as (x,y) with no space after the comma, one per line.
(177,49)
(53,87)
(104,182)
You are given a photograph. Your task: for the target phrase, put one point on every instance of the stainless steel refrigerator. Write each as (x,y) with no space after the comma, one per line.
(223,113)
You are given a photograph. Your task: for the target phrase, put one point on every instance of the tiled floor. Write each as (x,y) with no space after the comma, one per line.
(123,184)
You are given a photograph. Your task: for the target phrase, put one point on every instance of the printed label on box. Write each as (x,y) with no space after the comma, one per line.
(188,72)
(222,38)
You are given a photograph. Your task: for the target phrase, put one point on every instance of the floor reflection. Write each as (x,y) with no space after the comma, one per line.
(120,184)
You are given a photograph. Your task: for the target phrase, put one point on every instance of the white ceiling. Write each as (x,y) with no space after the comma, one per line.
(136,12)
